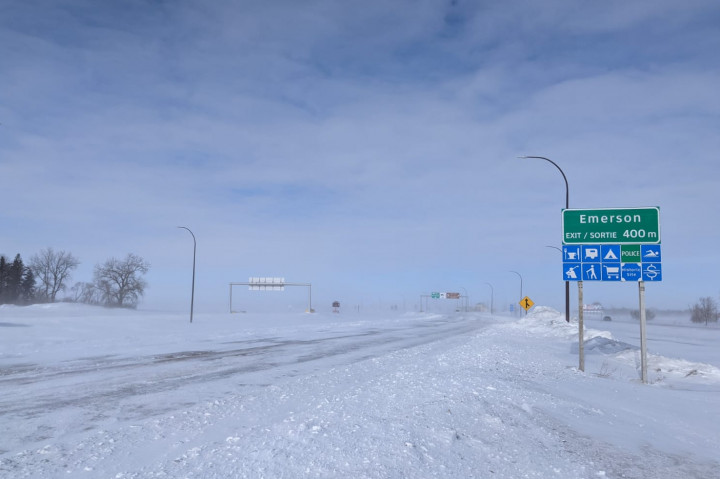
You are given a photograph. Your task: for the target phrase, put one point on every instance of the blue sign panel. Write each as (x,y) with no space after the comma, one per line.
(604,262)
(611,271)
(591,272)
(610,253)
(631,272)
(650,253)
(591,253)
(572,271)
(571,253)
(652,272)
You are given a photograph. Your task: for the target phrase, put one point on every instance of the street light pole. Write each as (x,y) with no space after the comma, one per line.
(567,206)
(492,296)
(192,296)
(521,294)
(467,299)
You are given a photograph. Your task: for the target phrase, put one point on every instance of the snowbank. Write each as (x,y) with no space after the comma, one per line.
(86,392)
(616,355)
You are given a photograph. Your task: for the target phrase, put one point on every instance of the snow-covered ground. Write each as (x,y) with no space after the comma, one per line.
(97,393)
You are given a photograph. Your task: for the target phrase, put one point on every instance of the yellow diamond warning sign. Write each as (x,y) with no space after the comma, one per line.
(526,303)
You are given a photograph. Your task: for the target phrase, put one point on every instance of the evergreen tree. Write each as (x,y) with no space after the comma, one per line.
(13,280)
(3,278)
(27,288)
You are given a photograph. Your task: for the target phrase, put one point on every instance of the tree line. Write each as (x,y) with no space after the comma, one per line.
(116,283)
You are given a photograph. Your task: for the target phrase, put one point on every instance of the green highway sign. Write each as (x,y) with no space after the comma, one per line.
(611,225)
(630,253)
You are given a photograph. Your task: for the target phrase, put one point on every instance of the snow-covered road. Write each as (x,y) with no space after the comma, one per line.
(106,394)
(95,387)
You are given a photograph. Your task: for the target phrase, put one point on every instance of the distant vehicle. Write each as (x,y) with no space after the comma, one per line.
(607,318)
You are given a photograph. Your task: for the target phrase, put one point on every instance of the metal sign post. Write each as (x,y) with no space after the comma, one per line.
(643,336)
(581,332)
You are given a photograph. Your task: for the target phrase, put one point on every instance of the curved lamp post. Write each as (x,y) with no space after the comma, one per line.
(520,276)
(467,299)
(567,206)
(492,296)
(192,297)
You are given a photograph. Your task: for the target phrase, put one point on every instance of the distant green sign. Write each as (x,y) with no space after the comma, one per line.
(611,225)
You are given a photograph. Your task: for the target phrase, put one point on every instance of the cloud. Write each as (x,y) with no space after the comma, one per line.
(355,137)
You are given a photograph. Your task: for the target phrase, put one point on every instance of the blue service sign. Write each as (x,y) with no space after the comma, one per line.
(650,253)
(572,271)
(572,253)
(603,262)
(631,272)
(591,253)
(611,271)
(610,253)
(591,272)
(652,271)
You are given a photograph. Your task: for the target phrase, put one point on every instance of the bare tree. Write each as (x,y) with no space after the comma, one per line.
(53,270)
(704,311)
(85,293)
(120,282)
(649,314)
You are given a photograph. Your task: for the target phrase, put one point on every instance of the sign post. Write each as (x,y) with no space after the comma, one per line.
(643,336)
(581,328)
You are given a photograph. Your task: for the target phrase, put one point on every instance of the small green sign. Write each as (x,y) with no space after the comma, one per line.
(630,253)
(611,226)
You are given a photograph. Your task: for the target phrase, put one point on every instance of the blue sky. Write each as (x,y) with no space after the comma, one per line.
(368,147)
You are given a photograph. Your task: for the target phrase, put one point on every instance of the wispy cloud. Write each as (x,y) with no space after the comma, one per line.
(377,137)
